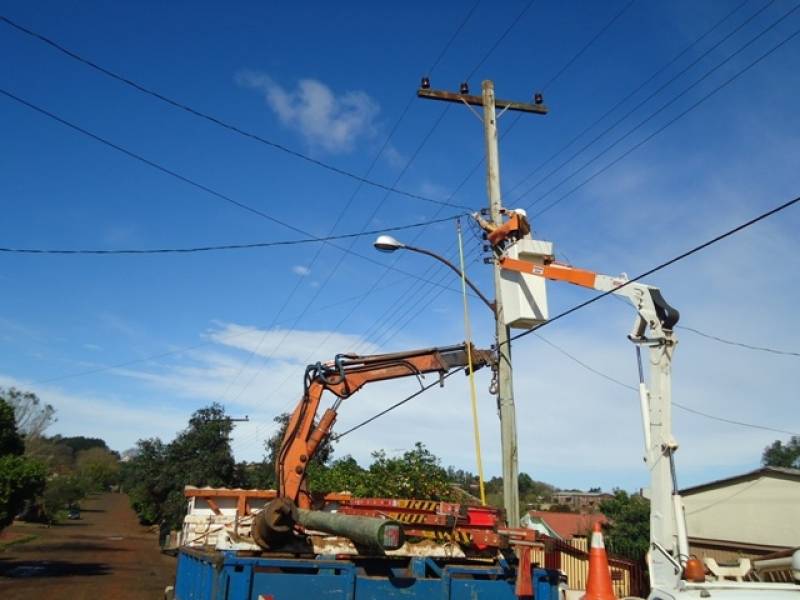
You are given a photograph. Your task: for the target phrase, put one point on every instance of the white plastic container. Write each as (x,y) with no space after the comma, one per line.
(525,296)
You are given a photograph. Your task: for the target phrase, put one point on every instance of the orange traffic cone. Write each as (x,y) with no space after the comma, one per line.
(598,584)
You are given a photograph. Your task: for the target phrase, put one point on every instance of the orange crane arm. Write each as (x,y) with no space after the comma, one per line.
(343,377)
(554,271)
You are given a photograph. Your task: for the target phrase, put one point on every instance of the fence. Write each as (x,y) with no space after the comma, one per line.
(628,577)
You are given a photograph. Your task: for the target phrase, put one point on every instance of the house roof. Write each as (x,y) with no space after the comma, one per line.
(568,525)
(782,472)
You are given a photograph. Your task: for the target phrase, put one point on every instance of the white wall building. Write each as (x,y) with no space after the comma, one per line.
(746,515)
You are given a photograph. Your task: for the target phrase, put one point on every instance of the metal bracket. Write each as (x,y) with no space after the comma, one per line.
(472,110)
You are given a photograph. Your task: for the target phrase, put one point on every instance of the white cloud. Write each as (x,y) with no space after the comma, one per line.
(291,345)
(394,157)
(301,270)
(118,422)
(334,123)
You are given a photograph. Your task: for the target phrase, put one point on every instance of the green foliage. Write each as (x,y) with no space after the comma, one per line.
(343,474)
(628,531)
(532,493)
(10,440)
(79,443)
(60,493)
(200,455)
(98,468)
(32,416)
(21,480)
(146,480)
(779,454)
(415,474)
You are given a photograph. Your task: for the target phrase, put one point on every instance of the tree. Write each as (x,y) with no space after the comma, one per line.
(21,479)
(59,459)
(782,455)
(200,455)
(32,416)
(10,439)
(61,493)
(628,530)
(146,480)
(342,475)
(415,474)
(79,442)
(98,468)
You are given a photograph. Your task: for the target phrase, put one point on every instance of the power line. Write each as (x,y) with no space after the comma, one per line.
(675,404)
(587,45)
(663,265)
(624,99)
(185,349)
(663,127)
(403,302)
(191,182)
(652,115)
(396,405)
(376,209)
(193,249)
(500,39)
(740,344)
(215,120)
(452,38)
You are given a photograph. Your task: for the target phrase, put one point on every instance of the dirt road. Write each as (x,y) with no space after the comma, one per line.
(105,555)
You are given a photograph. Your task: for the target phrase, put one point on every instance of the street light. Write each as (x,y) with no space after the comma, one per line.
(386,243)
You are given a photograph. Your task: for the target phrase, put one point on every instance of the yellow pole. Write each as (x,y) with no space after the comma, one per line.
(472,390)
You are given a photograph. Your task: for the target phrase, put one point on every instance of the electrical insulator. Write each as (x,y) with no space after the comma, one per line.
(464,89)
(426,83)
(538,98)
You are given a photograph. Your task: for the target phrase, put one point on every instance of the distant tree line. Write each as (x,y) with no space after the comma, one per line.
(41,477)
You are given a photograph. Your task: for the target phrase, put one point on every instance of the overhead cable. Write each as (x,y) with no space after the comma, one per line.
(376,208)
(218,248)
(622,101)
(587,45)
(740,344)
(192,182)
(176,351)
(215,120)
(659,110)
(675,404)
(663,265)
(403,301)
(397,405)
(500,39)
(669,123)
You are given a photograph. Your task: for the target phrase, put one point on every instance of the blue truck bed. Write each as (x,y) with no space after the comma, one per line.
(226,576)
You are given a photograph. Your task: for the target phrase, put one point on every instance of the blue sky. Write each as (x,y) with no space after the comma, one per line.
(331,80)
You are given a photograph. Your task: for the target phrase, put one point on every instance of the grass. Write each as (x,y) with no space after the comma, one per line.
(24,539)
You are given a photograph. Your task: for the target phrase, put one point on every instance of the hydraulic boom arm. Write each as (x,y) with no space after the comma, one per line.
(343,377)
(653,329)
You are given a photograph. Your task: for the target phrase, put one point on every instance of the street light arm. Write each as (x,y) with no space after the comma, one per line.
(443,260)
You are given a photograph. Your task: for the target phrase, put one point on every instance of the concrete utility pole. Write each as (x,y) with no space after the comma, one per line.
(505,383)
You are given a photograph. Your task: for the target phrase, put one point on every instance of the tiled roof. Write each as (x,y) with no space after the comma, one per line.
(568,525)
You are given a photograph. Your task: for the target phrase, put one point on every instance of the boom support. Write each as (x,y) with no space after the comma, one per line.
(653,329)
(343,377)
